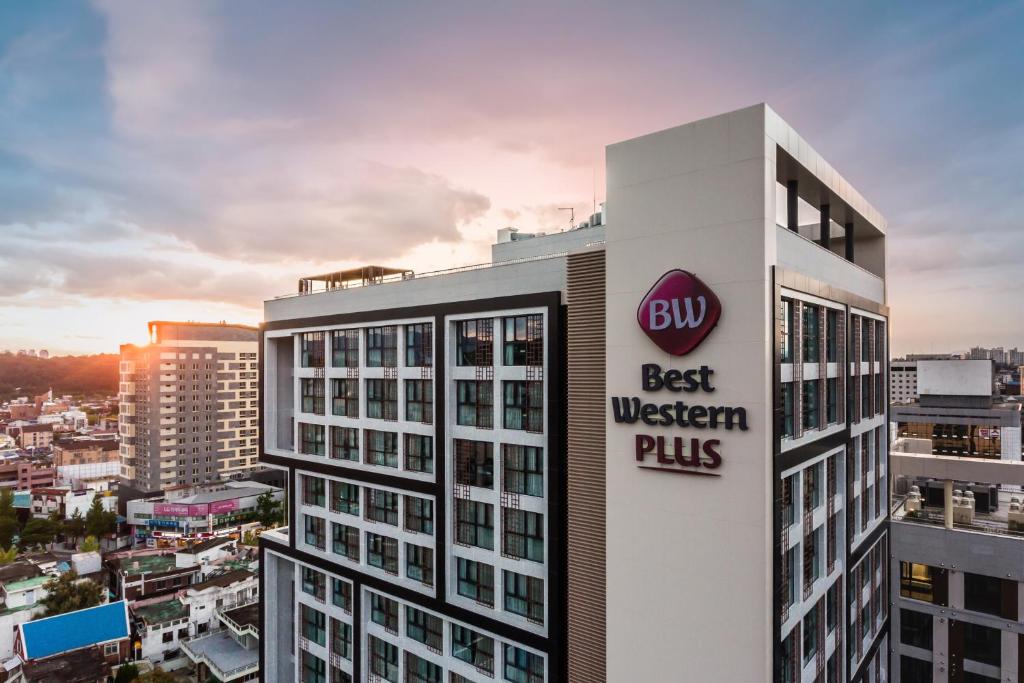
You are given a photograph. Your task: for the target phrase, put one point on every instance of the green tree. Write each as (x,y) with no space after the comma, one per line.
(37,532)
(66,593)
(268,510)
(127,673)
(99,522)
(89,545)
(9,526)
(9,555)
(74,527)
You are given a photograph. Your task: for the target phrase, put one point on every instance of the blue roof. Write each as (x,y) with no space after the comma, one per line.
(75,630)
(22,499)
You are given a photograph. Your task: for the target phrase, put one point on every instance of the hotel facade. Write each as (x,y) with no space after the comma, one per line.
(651,448)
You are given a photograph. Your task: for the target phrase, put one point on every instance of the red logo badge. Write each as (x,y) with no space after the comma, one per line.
(679,312)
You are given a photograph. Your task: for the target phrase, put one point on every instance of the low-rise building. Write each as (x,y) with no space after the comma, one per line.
(86,451)
(138,576)
(75,646)
(160,626)
(225,590)
(231,653)
(36,436)
(23,475)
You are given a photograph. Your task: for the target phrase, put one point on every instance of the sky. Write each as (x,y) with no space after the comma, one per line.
(188,160)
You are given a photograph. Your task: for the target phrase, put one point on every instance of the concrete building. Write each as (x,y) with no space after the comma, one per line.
(85,452)
(188,405)
(903,381)
(484,474)
(36,436)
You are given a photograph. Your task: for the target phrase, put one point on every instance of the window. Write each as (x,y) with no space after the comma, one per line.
(311,439)
(418,345)
(522,666)
(341,638)
(312,395)
(313,669)
(474,523)
(345,397)
(469,646)
(913,670)
(384,611)
(812,335)
(381,347)
(787,410)
(345,348)
(381,448)
(524,405)
(831,335)
(345,443)
(982,643)
(865,396)
(524,470)
(382,552)
(111,649)
(474,463)
(879,394)
(524,340)
(382,399)
(382,506)
(524,595)
(879,341)
(341,594)
(312,349)
(832,399)
(314,624)
(383,659)
(424,628)
(810,631)
(475,403)
(419,453)
(474,343)
(419,670)
(865,339)
(419,400)
(314,491)
(788,508)
(916,629)
(315,531)
(923,582)
(786,332)
(524,534)
(983,594)
(810,417)
(314,583)
(833,605)
(345,541)
(419,515)
(476,581)
(419,563)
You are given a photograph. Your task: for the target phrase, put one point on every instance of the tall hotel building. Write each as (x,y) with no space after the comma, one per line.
(189,405)
(653,448)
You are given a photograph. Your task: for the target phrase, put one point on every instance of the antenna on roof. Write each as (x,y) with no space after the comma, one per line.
(572,215)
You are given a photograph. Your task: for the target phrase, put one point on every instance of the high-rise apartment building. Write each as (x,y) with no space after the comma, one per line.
(189,405)
(653,448)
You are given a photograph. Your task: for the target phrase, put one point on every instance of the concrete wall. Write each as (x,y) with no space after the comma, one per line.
(955,377)
(690,571)
(554,243)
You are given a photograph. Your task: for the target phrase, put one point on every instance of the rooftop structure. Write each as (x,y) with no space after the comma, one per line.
(74,630)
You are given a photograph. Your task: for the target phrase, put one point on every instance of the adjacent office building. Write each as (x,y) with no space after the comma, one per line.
(957,545)
(652,448)
(903,381)
(189,404)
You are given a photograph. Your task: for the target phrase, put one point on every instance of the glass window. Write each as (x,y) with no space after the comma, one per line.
(419,453)
(524,340)
(787,331)
(833,607)
(474,463)
(312,349)
(914,670)
(474,343)
(524,534)
(983,593)
(788,507)
(475,403)
(382,399)
(865,339)
(879,341)
(982,644)
(424,628)
(419,515)
(917,581)
(314,670)
(524,405)
(524,595)
(345,397)
(787,410)
(419,563)
(476,581)
(315,528)
(384,611)
(811,333)
(832,391)
(419,400)
(345,497)
(314,491)
(345,443)
(311,439)
(314,583)
(382,347)
(419,670)
(383,659)
(810,631)
(810,417)
(381,448)
(916,629)
(522,666)
(382,506)
(341,638)
(382,552)
(865,396)
(312,395)
(474,523)
(523,470)
(419,345)
(341,594)
(345,348)
(472,647)
(832,335)
(314,624)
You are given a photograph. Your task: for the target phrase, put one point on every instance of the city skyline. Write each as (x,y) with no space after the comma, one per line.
(188,164)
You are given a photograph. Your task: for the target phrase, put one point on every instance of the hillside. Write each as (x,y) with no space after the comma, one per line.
(86,375)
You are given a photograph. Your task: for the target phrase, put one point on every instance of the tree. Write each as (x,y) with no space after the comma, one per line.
(9,555)
(90,545)
(74,527)
(127,673)
(9,526)
(66,593)
(37,532)
(99,522)
(268,510)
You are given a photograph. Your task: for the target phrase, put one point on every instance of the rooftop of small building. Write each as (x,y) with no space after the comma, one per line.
(144,564)
(18,571)
(73,630)
(76,666)
(208,544)
(161,612)
(246,615)
(26,584)
(223,651)
(223,580)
